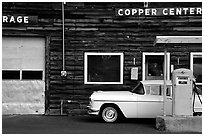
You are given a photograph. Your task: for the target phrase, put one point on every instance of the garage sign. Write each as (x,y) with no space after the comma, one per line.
(9,19)
(158,11)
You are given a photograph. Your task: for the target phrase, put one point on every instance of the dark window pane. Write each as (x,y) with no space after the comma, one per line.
(200,89)
(197,69)
(154,67)
(104,68)
(7,74)
(32,75)
(139,89)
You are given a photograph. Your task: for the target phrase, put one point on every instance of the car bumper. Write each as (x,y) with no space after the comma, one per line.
(92,111)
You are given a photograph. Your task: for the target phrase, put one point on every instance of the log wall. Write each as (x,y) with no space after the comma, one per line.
(93,27)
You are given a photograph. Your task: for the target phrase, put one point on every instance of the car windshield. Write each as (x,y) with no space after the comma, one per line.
(139,89)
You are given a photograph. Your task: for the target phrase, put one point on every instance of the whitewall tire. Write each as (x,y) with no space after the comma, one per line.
(110,114)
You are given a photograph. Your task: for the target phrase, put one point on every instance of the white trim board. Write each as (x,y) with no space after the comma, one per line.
(179,39)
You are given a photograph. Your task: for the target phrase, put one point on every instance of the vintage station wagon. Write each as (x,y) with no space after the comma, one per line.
(144,101)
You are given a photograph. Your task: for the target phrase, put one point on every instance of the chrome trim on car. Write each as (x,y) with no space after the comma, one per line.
(123,101)
(92,111)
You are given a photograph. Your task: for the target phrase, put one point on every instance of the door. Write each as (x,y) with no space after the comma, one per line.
(23,70)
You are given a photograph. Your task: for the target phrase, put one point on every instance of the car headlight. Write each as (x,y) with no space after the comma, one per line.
(90,100)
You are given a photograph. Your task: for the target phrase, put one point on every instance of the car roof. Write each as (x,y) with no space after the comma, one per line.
(160,82)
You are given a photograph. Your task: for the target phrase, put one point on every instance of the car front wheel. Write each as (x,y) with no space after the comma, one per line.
(110,114)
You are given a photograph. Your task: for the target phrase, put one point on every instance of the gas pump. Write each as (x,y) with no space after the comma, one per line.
(182,81)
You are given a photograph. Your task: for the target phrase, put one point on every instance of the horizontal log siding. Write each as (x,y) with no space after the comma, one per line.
(93,27)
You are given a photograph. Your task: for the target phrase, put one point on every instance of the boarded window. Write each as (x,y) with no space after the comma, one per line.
(103,68)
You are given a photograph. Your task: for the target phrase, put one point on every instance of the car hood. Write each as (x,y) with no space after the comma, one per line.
(111,95)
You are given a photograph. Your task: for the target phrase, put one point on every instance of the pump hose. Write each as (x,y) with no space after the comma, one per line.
(199,97)
(194,93)
(193,101)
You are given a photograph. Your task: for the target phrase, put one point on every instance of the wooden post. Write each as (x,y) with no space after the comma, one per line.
(165,75)
(47,75)
(61,107)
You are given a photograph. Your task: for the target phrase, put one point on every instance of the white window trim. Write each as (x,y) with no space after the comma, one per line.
(191,61)
(152,53)
(96,53)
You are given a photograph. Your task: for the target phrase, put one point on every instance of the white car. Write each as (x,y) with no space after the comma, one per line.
(144,101)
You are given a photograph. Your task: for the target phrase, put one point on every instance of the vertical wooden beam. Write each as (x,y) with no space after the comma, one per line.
(47,74)
(165,75)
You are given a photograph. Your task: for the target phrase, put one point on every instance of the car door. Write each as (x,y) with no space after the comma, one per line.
(150,105)
(128,105)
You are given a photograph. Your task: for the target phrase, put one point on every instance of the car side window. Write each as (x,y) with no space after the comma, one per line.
(153,89)
(139,89)
(157,90)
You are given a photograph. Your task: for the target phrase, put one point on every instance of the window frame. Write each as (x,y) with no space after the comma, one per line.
(191,62)
(86,54)
(156,54)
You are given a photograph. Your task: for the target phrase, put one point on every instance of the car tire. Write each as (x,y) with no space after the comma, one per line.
(110,114)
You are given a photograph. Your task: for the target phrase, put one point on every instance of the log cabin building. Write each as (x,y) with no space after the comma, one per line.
(54,55)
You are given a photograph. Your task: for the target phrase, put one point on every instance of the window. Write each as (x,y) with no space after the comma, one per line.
(153,66)
(139,89)
(11,74)
(23,58)
(37,75)
(196,66)
(153,89)
(103,68)
(22,75)
(158,90)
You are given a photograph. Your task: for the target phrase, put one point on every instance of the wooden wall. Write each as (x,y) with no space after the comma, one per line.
(93,27)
